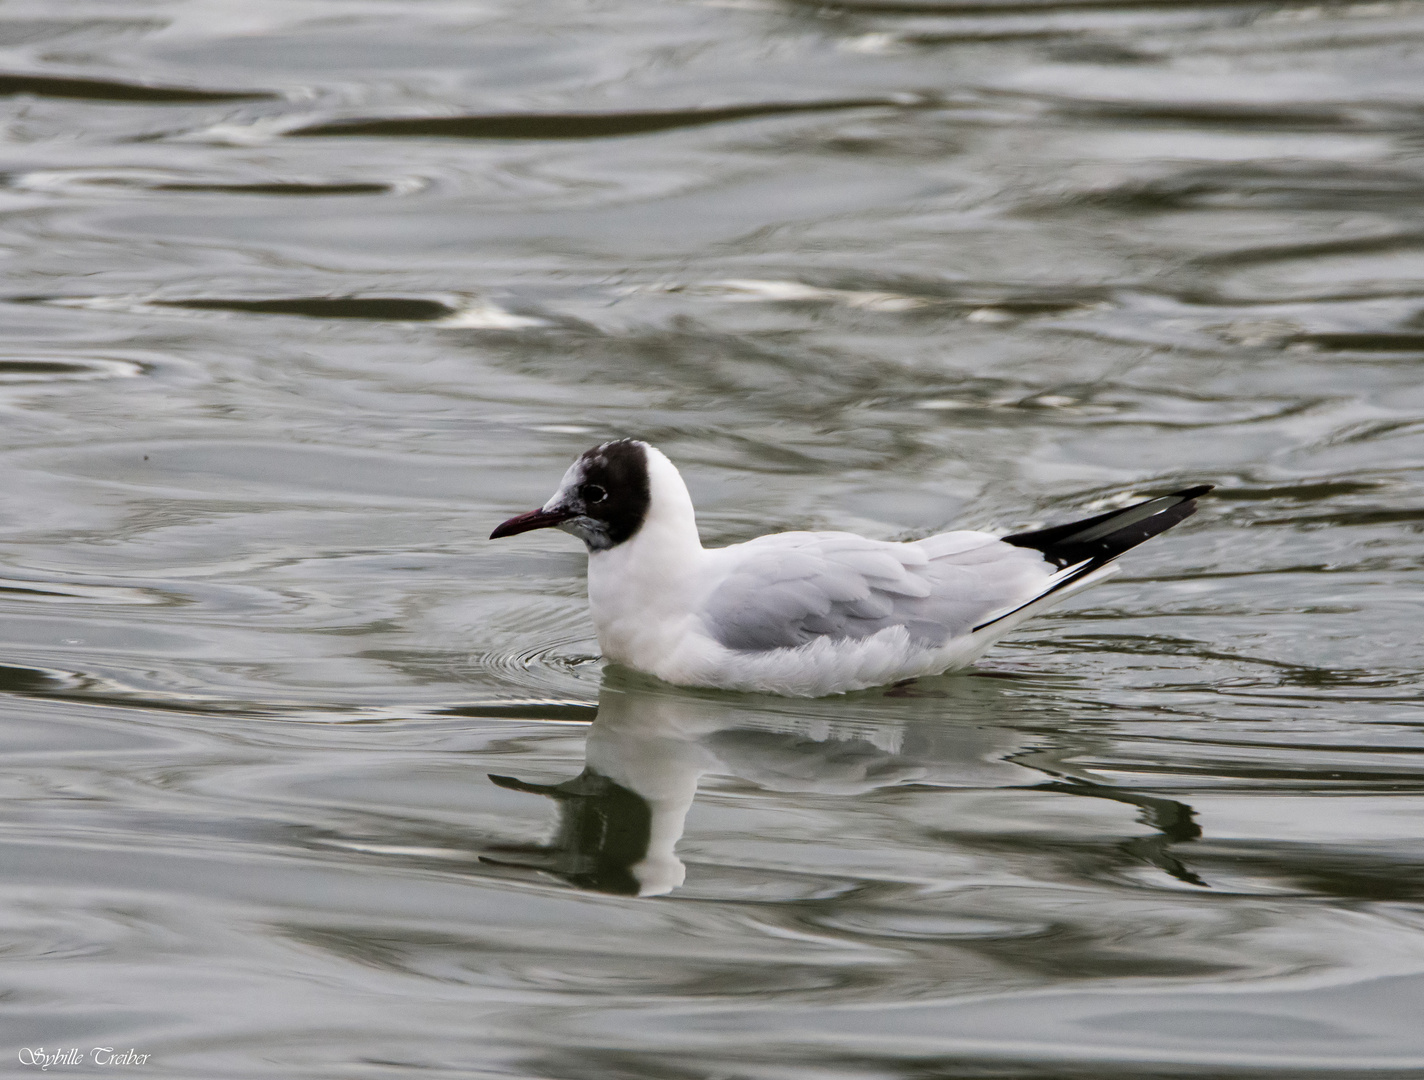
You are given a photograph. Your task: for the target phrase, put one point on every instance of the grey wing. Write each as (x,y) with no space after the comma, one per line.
(785,590)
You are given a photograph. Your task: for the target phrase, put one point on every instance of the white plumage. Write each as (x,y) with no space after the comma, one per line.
(803,613)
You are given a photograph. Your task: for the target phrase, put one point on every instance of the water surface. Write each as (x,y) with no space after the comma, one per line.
(304,778)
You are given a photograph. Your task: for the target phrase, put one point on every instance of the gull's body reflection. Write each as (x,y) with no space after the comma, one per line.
(651,744)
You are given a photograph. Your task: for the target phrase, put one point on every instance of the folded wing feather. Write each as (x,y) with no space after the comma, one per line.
(785,590)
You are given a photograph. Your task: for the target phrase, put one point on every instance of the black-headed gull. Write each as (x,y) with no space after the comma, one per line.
(809,613)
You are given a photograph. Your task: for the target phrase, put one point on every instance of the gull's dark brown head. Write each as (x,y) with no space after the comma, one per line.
(603,498)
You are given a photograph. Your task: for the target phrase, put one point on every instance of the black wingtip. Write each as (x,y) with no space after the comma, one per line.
(1193,492)
(1103,538)
(1092,543)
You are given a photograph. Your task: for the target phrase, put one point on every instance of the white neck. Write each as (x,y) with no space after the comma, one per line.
(639,588)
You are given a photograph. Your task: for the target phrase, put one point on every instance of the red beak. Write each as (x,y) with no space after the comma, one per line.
(535,519)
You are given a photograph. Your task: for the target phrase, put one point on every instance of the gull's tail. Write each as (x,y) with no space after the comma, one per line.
(1084,547)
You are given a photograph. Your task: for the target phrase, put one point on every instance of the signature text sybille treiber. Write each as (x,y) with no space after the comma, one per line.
(100,1055)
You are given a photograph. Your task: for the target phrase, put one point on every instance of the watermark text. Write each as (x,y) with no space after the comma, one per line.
(42,1059)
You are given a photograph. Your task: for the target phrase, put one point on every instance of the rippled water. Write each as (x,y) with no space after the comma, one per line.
(306,778)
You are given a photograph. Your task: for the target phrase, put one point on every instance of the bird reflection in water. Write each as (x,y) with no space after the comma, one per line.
(604,841)
(619,820)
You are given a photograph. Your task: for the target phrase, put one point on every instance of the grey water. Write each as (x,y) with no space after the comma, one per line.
(303,777)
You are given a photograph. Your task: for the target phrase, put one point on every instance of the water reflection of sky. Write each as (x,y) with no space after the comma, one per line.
(302,298)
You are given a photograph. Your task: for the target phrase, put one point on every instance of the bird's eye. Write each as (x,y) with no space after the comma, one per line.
(592,493)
